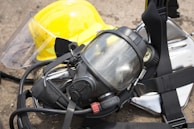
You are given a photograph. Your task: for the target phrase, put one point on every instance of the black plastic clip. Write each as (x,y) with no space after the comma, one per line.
(179,122)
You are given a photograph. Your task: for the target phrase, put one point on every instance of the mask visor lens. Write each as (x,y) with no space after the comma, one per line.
(113,59)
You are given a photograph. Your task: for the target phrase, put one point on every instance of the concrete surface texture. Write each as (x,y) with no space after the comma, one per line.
(114,12)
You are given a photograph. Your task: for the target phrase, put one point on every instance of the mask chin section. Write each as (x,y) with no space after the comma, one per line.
(85,87)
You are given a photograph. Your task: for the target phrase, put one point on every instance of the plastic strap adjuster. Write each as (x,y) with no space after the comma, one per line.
(175,122)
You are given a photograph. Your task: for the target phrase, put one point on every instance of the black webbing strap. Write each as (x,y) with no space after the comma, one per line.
(69,115)
(172,113)
(172,9)
(189,125)
(155,18)
(102,124)
(167,82)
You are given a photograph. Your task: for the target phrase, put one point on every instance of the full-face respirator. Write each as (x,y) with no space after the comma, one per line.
(140,66)
(109,65)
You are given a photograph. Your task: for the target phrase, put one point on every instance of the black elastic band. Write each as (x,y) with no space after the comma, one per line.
(58,61)
(62,58)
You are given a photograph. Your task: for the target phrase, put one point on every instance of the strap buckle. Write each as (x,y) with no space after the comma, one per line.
(175,122)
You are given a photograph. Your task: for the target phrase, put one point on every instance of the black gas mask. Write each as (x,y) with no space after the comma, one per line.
(103,69)
(110,63)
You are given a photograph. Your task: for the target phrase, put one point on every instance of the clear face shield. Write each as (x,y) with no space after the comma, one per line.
(21,51)
(113,59)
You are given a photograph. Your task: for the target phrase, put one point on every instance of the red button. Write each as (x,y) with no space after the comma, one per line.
(95,107)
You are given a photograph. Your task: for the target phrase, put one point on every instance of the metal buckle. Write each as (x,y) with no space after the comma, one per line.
(175,122)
